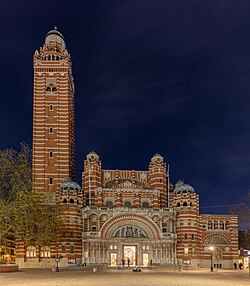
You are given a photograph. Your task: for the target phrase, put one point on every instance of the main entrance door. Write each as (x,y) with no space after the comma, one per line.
(129,254)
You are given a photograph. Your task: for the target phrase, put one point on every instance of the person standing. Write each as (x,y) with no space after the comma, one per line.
(123,262)
(128,261)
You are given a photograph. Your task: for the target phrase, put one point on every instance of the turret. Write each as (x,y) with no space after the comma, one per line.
(158,177)
(91,177)
(186,202)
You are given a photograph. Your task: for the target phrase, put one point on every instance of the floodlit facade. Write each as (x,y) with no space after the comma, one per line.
(117,216)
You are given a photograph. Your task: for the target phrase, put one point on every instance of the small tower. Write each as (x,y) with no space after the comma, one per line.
(91,178)
(186,202)
(53,115)
(71,197)
(158,177)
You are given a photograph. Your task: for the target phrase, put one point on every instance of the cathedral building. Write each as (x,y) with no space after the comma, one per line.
(116,216)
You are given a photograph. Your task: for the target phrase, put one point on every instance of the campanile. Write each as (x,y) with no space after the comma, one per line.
(53,115)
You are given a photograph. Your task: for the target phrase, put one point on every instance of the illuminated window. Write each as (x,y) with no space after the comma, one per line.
(45,252)
(31,252)
(185,250)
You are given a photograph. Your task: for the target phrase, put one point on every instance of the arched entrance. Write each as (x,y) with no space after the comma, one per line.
(219,245)
(130,240)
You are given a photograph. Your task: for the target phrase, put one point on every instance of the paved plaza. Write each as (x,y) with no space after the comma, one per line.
(127,278)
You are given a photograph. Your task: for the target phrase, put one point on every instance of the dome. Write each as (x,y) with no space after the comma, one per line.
(55,36)
(68,183)
(181,188)
(157,157)
(54,32)
(92,154)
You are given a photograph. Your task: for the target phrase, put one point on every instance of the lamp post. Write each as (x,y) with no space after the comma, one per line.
(57,259)
(211,268)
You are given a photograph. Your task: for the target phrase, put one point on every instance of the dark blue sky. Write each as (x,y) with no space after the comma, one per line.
(168,77)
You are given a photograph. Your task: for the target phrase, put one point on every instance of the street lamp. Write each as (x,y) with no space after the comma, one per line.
(211,248)
(57,259)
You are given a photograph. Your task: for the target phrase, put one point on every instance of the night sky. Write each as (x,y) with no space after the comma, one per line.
(151,76)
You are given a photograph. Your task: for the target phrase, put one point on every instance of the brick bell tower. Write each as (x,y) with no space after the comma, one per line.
(53,115)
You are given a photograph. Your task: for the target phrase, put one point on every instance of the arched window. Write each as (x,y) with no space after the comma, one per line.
(191,204)
(71,201)
(127,204)
(45,252)
(31,252)
(93,221)
(216,226)
(209,225)
(145,205)
(51,89)
(185,204)
(103,218)
(178,204)
(109,204)
(53,57)
(49,58)
(222,225)
(65,201)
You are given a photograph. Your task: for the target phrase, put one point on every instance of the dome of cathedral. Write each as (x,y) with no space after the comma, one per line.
(69,184)
(55,32)
(181,188)
(157,157)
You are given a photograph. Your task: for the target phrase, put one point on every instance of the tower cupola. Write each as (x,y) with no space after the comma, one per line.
(54,36)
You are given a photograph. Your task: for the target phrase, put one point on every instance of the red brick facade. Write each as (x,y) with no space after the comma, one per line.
(117,215)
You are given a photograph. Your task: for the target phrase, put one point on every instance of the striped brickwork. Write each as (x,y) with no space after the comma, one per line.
(187,227)
(53,116)
(138,187)
(115,208)
(196,233)
(221,233)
